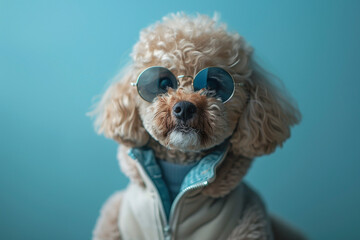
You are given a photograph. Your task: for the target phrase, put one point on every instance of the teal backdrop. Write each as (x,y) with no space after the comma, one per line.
(56,56)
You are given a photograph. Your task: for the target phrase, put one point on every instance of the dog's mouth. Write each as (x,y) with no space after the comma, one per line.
(184,128)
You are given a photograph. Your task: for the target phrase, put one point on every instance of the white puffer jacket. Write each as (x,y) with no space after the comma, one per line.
(146,212)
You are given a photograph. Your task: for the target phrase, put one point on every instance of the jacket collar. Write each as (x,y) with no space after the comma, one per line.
(203,171)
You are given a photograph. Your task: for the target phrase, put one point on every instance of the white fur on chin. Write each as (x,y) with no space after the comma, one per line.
(184,141)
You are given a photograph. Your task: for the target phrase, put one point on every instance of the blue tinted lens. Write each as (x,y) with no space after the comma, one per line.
(154,81)
(200,80)
(217,81)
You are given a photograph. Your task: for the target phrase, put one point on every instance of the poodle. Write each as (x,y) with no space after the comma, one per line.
(190,113)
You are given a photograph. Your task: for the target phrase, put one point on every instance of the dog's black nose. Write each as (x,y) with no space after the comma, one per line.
(184,110)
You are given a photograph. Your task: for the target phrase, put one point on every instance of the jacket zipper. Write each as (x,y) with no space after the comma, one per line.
(170,227)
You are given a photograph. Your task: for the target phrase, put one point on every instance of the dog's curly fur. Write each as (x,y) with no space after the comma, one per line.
(257,118)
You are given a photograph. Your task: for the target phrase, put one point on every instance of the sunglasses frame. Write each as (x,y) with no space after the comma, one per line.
(182,76)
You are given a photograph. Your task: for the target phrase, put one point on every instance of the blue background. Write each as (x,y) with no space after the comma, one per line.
(55,172)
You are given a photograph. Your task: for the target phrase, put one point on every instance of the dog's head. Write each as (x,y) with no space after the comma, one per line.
(256,117)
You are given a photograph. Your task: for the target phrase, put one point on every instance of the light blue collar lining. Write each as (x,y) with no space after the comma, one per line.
(204,171)
(174,174)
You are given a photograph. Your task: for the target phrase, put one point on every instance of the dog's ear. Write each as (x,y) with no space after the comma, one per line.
(266,120)
(117,114)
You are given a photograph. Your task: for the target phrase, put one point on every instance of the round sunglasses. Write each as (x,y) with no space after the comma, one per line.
(154,81)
